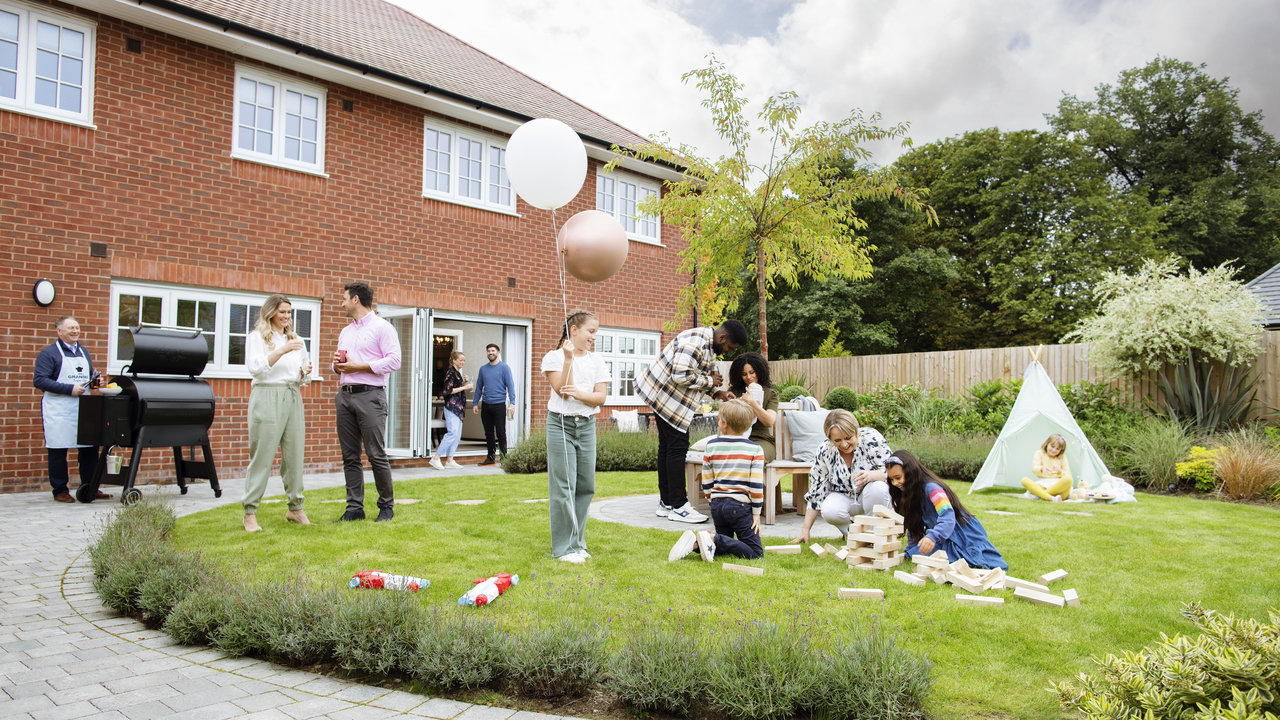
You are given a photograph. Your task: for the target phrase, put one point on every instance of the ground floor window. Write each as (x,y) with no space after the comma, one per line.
(626,353)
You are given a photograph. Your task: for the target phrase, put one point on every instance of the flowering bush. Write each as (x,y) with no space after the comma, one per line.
(1198,469)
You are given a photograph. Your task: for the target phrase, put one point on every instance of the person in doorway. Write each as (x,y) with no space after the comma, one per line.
(495,401)
(579,382)
(455,390)
(278,361)
(848,476)
(64,371)
(368,351)
(674,386)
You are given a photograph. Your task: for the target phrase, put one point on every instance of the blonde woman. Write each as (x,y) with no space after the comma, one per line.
(277,359)
(848,476)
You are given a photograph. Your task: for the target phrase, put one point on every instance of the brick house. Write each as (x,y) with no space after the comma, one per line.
(176,162)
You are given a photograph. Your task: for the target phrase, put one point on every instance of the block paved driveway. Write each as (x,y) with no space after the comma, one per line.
(63,655)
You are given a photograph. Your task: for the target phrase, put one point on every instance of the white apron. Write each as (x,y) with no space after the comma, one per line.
(62,412)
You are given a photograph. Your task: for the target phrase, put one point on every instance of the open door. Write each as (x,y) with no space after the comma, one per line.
(409,388)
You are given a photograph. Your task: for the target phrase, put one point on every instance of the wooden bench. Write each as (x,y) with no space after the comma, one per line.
(773,474)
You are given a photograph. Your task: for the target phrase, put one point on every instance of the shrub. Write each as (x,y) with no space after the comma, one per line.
(953,457)
(131,556)
(1149,452)
(172,576)
(1248,465)
(529,455)
(792,378)
(787,393)
(841,397)
(929,414)
(1229,671)
(1197,470)
(237,635)
(197,619)
(562,660)
(292,618)
(652,672)
(458,651)
(870,677)
(761,672)
(376,632)
(619,451)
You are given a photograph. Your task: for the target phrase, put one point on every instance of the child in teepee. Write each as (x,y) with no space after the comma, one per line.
(934,518)
(1053,474)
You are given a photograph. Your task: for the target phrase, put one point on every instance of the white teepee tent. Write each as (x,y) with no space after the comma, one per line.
(1038,413)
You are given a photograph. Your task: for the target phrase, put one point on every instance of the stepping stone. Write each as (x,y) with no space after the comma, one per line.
(465,502)
(537,500)
(1002,512)
(1081,514)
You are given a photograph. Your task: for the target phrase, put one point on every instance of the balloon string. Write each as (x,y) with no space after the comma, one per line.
(564,303)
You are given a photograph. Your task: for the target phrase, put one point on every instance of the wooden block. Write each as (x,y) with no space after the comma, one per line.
(864,566)
(942,554)
(961,581)
(744,569)
(818,549)
(1049,578)
(831,549)
(867,552)
(928,561)
(908,578)
(864,538)
(962,567)
(888,546)
(1072,599)
(888,530)
(885,512)
(1039,598)
(939,577)
(922,570)
(1013,582)
(784,549)
(979,600)
(886,563)
(875,521)
(860,594)
(842,554)
(982,572)
(993,578)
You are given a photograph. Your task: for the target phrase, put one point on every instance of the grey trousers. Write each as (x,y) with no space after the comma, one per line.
(571,479)
(839,509)
(362,420)
(275,421)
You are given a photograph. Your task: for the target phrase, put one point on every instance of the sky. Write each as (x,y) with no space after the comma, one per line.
(943,66)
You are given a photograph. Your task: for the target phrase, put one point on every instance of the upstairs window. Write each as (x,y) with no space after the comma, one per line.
(465,166)
(278,121)
(46,63)
(620,196)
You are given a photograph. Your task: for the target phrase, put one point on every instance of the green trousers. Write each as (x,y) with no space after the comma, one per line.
(275,421)
(571,479)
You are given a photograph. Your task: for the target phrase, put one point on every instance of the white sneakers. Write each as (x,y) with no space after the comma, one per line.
(573,557)
(452,464)
(435,462)
(663,510)
(686,514)
(704,541)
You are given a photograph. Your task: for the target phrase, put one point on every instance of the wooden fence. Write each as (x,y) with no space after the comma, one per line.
(951,372)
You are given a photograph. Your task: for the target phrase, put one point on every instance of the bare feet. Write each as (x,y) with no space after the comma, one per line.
(251,523)
(297,516)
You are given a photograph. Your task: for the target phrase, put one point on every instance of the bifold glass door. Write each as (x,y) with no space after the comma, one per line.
(409,388)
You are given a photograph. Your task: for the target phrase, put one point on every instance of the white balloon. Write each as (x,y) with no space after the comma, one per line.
(546,163)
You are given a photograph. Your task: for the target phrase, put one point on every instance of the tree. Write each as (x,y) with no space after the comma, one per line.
(789,218)
(1172,134)
(1033,224)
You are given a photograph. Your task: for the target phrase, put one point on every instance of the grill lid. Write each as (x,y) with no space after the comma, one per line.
(160,351)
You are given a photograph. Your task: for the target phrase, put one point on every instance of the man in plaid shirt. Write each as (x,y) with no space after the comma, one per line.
(674,386)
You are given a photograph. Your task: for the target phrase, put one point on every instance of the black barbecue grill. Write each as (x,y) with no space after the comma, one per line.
(166,411)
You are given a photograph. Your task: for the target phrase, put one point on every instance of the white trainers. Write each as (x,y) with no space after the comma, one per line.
(707,545)
(663,510)
(573,557)
(585,555)
(452,464)
(435,462)
(683,546)
(686,514)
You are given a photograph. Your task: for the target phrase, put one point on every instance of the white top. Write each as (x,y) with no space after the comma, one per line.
(286,368)
(588,370)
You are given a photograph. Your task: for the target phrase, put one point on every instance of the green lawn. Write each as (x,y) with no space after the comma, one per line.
(1132,564)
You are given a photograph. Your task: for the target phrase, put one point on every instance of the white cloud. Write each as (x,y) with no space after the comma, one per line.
(946,67)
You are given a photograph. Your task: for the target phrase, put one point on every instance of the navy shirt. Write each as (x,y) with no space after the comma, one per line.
(494,384)
(49,367)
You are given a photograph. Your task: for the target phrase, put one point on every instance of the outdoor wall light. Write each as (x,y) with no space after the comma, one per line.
(43,292)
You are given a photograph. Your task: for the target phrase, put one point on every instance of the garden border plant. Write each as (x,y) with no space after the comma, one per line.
(139,572)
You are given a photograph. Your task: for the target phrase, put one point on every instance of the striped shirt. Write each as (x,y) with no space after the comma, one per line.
(733,467)
(677,383)
(829,473)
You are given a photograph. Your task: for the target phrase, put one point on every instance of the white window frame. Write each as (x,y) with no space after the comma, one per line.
(487,178)
(218,366)
(24,101)
(611,198)
(618,347)
(283,84)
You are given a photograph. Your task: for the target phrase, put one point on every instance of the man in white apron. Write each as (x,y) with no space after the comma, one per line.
(63,371)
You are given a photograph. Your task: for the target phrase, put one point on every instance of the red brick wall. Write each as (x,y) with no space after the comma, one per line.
(156,183)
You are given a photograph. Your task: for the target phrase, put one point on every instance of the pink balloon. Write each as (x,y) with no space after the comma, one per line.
(594,246)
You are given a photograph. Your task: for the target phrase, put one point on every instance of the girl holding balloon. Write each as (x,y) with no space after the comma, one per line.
(579,379)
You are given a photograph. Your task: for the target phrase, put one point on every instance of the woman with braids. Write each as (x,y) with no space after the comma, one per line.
(277,359)
(934,518)
(579,379)
(749,380)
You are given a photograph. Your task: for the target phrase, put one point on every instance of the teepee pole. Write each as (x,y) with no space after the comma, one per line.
(1035,354)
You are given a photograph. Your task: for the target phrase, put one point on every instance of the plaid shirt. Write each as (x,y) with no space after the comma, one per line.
(676,384)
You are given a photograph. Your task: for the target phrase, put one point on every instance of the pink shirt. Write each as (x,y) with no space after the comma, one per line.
(374,341)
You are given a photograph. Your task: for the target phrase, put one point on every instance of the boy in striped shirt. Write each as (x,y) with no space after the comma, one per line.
(733,479)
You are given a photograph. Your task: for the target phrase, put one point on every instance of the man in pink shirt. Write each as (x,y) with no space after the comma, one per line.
(368,351)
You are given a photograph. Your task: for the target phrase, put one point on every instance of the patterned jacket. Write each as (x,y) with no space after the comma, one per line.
(678,382)
(831,475)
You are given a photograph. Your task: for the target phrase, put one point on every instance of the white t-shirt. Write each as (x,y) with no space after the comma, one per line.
(587,371)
